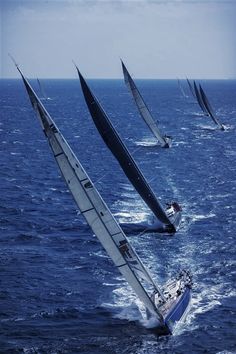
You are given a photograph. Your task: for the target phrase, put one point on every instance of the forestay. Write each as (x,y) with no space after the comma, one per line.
(142,107)
(95,210)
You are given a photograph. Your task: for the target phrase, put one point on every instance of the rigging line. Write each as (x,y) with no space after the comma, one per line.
(152,179)
(99,179)
(142,232)
(136,150)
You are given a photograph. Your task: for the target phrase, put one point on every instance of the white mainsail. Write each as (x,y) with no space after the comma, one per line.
(95,211)
(142,107)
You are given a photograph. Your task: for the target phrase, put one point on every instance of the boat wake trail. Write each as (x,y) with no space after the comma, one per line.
(147,143)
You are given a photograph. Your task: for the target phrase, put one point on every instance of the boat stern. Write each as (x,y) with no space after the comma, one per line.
(174,214)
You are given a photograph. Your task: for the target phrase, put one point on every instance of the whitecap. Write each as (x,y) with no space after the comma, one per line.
(147,143)
(197,217)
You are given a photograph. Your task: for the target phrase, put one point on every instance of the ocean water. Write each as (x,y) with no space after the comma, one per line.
(59,291)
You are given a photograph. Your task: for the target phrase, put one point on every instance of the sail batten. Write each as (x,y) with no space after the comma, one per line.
(142,107)
(119,150)
(95,210)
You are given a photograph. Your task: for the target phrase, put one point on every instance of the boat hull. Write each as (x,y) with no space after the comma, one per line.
(178,311)
(168,142)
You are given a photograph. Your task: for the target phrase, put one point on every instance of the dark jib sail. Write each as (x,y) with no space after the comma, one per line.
(199,99)
(209,108)
(119,150)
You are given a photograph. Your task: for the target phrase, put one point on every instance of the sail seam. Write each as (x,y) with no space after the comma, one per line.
(85,211)
(117,233)
(84,179)
(59,154)
(122,265)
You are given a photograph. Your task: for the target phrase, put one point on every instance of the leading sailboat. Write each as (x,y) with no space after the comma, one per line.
(166,304)
(171,216)
(145,113)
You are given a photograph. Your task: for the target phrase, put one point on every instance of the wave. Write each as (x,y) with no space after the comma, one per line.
(125,304)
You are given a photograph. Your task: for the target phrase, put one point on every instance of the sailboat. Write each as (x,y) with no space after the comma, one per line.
(171,216)
(181,88)
(145,113)
(204,103)
(199,99)
(167,304)
(42,91)
(191,88)
(209,109)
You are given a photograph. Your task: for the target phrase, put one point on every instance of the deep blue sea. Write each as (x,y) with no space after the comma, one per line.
(59,291)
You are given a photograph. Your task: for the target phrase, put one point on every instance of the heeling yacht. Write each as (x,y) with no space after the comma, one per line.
(209,109)
(167,304)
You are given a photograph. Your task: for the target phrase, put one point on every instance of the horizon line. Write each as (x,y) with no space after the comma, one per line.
(116,78)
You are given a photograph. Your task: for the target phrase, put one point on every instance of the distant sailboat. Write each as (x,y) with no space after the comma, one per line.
(200,100)
(191,88)
(210,109)
(171,217)
(42,91)
(181,88)
(167,304)
(145,113)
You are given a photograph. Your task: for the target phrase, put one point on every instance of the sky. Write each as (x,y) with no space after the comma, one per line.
(156,39)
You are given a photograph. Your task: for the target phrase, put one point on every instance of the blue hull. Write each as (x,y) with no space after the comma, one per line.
(177,312)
